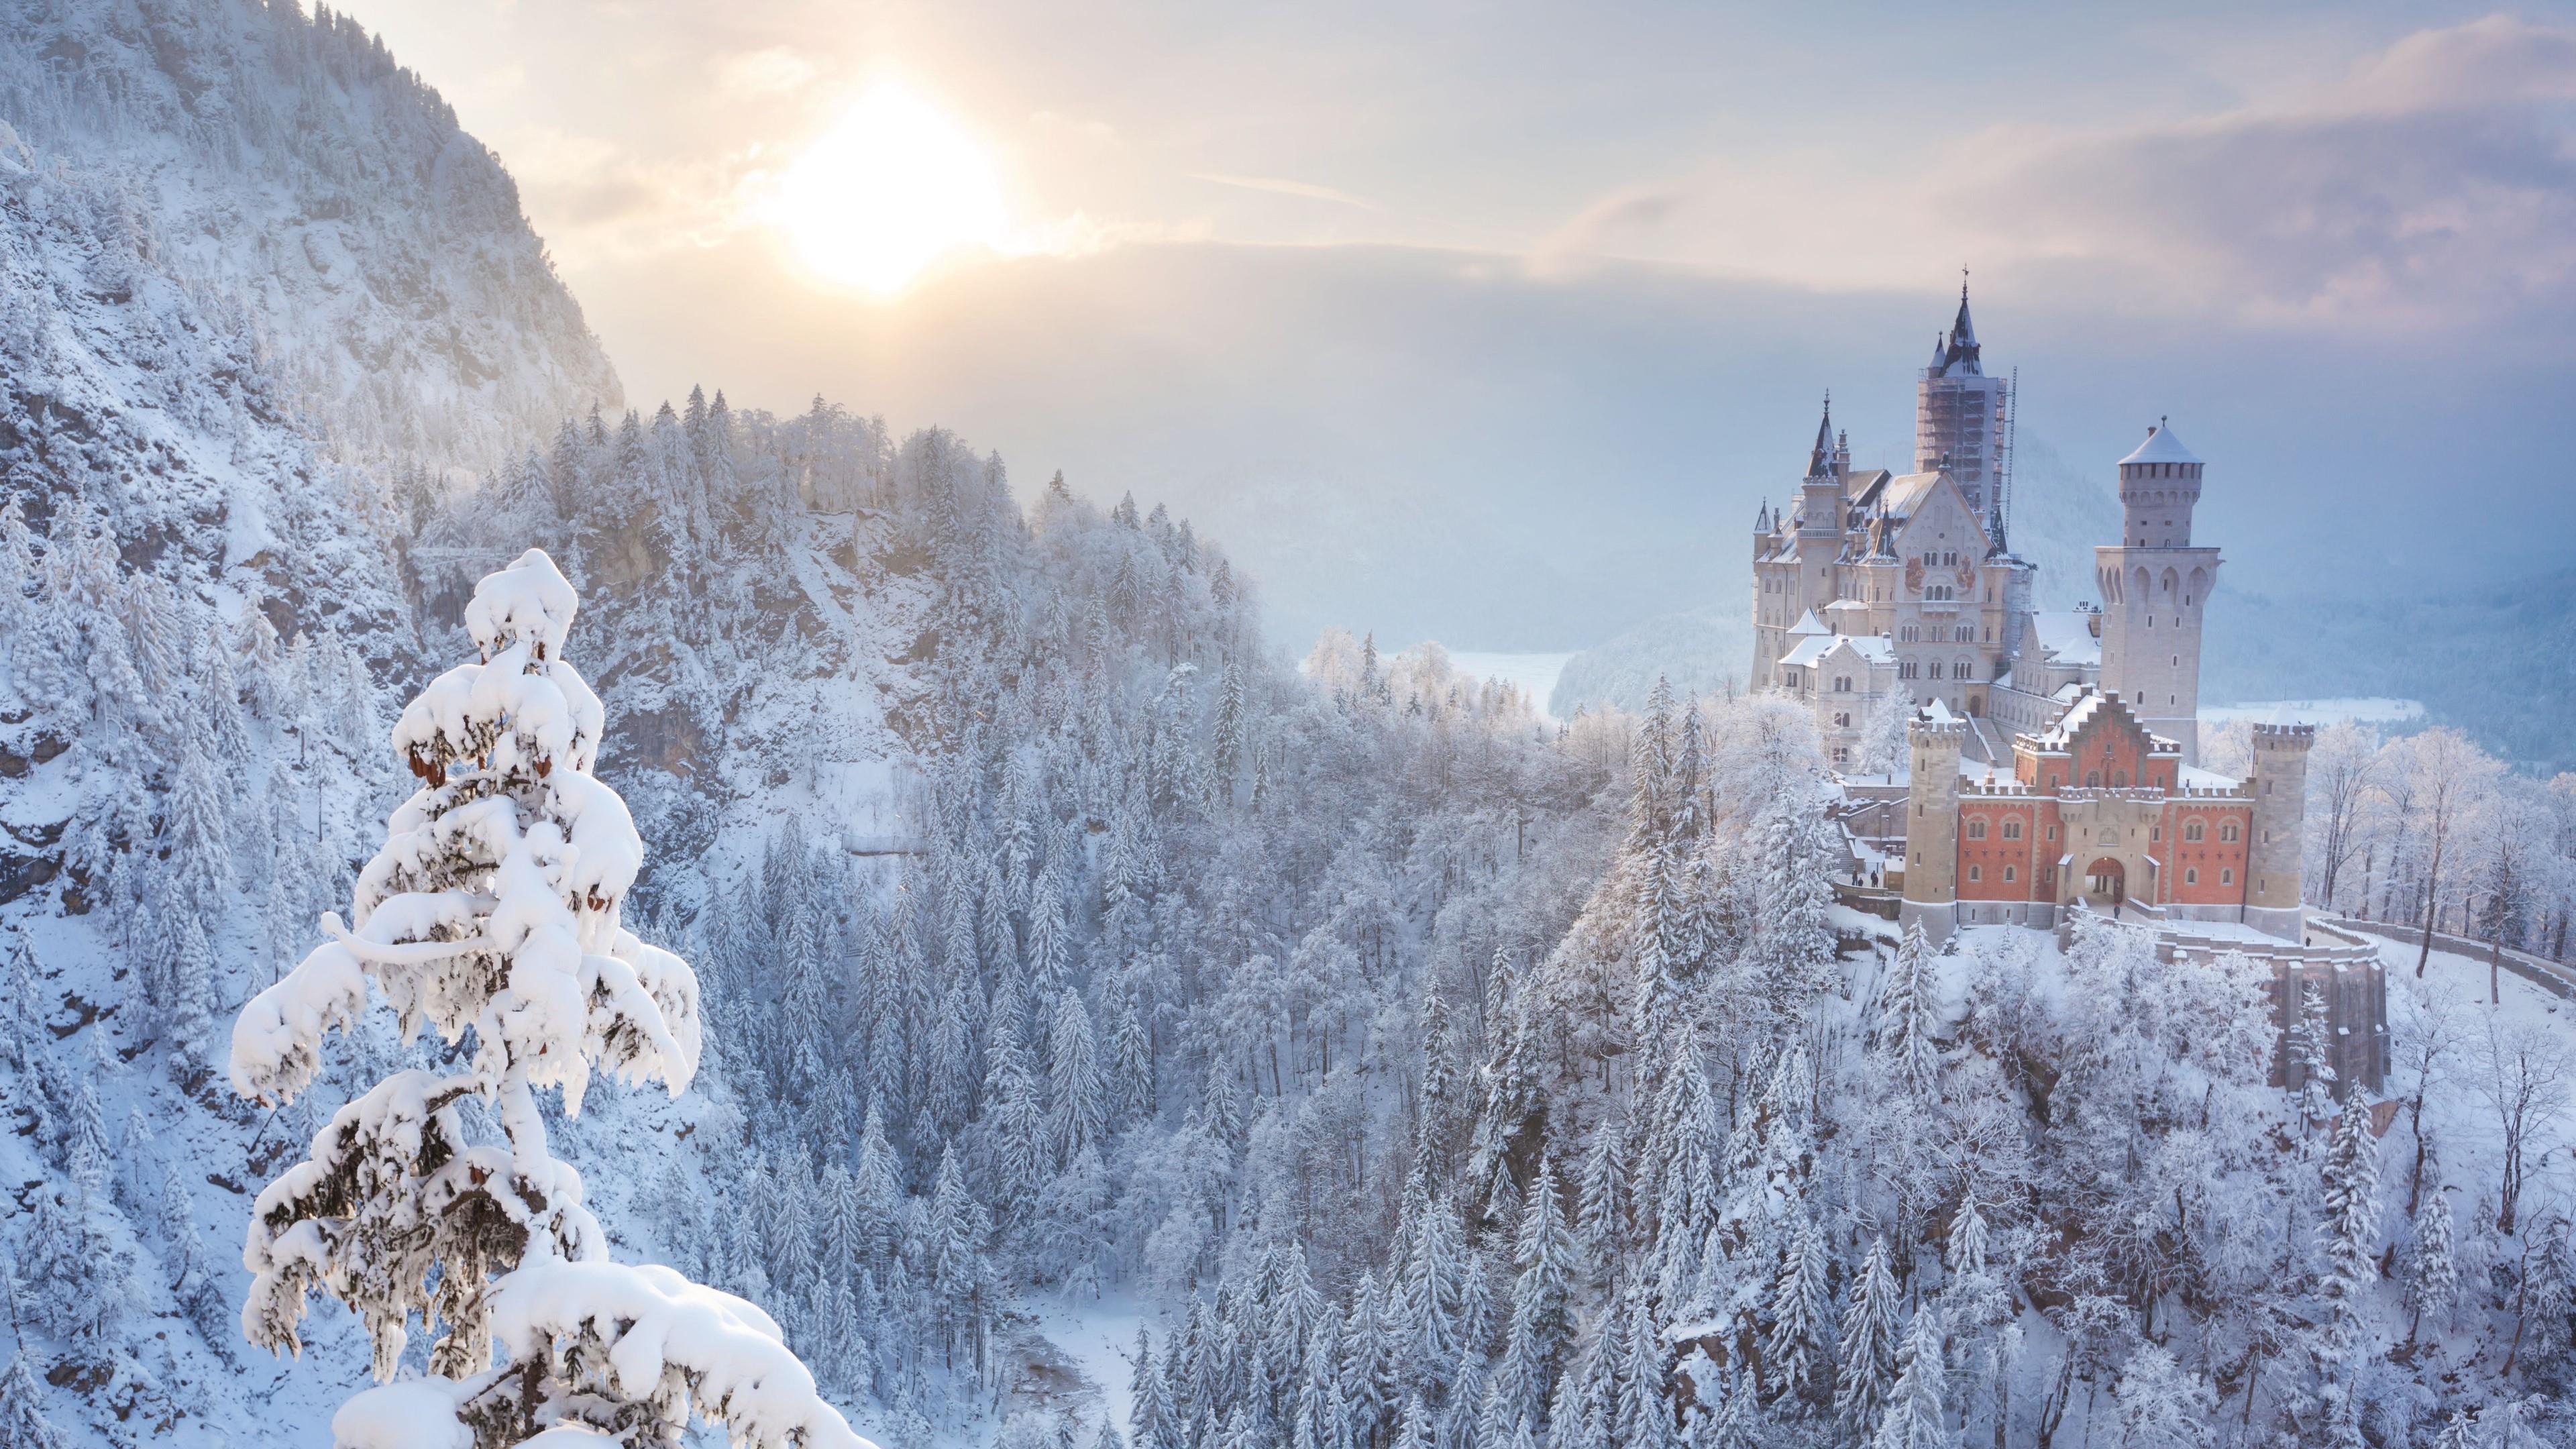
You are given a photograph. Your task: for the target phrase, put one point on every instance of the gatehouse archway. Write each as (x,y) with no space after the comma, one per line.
(2106,883)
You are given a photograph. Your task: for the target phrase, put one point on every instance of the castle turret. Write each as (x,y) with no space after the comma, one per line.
(2155,586)
(2279,785)
(1820,515)
(1932,745)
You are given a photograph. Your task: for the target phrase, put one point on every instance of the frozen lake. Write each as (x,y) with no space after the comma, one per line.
(2320,711)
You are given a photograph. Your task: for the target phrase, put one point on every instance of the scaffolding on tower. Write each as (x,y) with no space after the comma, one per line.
(2001,507)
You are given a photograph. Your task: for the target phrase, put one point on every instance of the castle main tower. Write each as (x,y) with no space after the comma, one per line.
(1959,421)
(2155,585)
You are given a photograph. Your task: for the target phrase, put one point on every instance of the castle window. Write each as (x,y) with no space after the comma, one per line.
(1842,721)
(2052,834)
(2092,779)
(1976,873)
(2194,831)
(2010,874)
(2190,876)
(2012,830)
(1976,830)
(1841,754)
(2227,877)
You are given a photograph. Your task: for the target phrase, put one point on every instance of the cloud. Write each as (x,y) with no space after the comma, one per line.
(1280,187)
(774,71)
(2436,185)
(2433,185)
(1607,226)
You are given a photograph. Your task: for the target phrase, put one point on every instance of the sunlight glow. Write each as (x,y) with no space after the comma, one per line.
(894,186)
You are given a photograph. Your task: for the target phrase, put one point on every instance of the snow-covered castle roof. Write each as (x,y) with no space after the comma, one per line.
(2161,446)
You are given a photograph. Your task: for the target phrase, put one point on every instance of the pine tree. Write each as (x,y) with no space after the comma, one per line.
(1019,1126)
(1801,1312)
(1602,1209)
(1077,1092)
(2350,1228)
(1914,1417)
(1908,1017)
(1131,1069)
(509,929)
(1687,1191)
(23,1424)
(1547,1257)
(1730,1424)
(192,991)
(878,1196)
(1645,1417)
(1867,1371)
(2432,1266)
(73,1275)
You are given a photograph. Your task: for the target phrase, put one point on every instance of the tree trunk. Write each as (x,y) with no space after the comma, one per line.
(2432,895)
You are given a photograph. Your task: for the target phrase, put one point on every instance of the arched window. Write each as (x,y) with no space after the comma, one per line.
(2227,877)
(2228,832)
(1976,872)
(2011,875)
(2190,875)
(2092,779)
(2012,831)
(1976,830)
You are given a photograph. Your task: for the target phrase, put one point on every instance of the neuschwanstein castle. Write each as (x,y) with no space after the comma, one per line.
(2005,765)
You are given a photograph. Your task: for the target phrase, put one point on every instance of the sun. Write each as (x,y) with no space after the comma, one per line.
(894,186)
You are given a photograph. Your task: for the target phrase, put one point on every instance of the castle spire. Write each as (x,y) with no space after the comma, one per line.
(1961,353)
(1820,460)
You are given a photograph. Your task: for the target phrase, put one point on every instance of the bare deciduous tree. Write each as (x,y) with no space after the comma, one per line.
(2522,1070)
(2446,776)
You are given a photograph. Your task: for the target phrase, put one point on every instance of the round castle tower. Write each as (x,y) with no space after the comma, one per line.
(2279,785)
(1932,825)
(2155,586)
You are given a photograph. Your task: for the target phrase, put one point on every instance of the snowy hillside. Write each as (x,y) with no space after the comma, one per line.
(312,195)
(1114,1032)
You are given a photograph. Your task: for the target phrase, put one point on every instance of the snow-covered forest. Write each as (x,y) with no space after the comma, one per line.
(1102,1024)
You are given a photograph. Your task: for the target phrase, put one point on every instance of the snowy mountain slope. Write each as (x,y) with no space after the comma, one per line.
(288,174)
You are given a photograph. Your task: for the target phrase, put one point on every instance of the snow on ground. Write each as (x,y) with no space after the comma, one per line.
(1097,1339)
(2374,710)
(2459,1117)
(1534,673)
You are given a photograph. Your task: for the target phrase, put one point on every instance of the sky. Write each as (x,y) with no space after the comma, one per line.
(1496,322)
